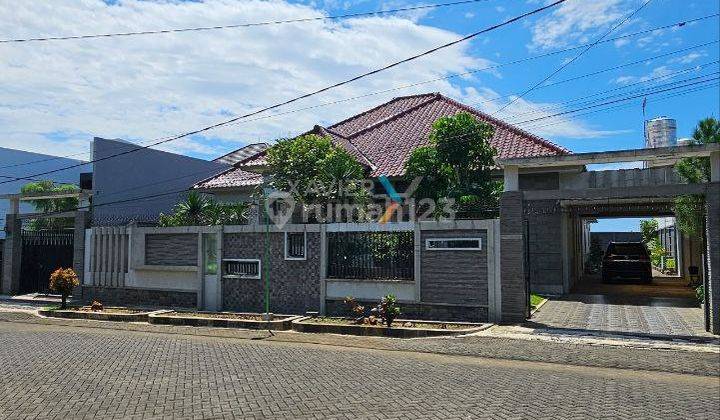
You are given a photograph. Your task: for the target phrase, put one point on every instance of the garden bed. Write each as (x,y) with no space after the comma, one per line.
(400,329)
(106,314)
(223,319)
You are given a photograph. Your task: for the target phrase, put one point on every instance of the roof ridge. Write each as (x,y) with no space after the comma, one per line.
(241,148)
(435,96)
(369,163)
(531,136)
(367,111)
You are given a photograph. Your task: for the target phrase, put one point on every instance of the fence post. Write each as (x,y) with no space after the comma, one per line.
(417,260)
(323,266)
(82,220)
(12,254)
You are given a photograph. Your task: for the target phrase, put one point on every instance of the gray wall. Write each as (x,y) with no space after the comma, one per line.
(171,249)
(545,238)
(604,238)
(454,277)
(294,285)
(138,174)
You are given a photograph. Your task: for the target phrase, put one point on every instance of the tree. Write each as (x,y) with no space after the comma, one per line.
(51,205)
(62,281)
(315,171)
(457,164)
(648,230)
(200,210)
(690,209)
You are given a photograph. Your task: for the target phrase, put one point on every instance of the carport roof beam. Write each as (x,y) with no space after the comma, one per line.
(614,156)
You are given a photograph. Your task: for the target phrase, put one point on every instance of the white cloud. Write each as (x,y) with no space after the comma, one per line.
(56,95)
(523,110)
(689,58)
(657,72)
(576,21)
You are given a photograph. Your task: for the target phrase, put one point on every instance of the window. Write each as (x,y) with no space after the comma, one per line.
(295,245)
(244,269)
(210,262)
(453,244)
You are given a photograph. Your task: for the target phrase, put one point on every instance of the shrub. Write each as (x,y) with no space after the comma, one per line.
(700,293)
(62,281)
(387,310)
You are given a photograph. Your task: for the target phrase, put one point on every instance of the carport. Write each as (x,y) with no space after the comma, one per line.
(543,209)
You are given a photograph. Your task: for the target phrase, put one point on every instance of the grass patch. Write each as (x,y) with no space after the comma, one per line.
(536,300)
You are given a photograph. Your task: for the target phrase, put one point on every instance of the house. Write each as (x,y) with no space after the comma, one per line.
(19,163)
(118,200)
(381,139)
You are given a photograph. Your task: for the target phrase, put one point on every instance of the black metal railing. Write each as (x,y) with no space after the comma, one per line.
(370,255)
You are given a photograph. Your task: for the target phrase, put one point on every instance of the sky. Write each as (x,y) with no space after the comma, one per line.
(55,96)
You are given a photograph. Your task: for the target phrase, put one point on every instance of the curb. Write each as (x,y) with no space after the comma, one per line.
(282,324)
(377,331)
(96,316)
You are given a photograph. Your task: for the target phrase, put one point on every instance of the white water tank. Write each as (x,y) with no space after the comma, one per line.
(685,141)
(661,132)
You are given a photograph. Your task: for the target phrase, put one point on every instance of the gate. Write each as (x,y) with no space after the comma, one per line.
(42,253)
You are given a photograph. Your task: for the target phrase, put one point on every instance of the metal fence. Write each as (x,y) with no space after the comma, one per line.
(370,255)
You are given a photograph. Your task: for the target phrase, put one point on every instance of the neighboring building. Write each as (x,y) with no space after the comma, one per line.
(18,163)
(381,139)
(138,186)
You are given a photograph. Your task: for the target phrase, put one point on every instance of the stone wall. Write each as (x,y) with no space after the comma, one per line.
(512,258)
(545,245)
(294,284)
(171,249)
(454,276)
(427,311)
(127,296)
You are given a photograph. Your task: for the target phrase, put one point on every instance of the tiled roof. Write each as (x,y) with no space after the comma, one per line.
(233,177)
(242,153)
(388,134)
(382,138)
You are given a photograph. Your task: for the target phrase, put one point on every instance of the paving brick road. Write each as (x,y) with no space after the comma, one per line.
(58,371)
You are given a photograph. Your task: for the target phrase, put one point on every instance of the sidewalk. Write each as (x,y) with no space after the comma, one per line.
(692,359)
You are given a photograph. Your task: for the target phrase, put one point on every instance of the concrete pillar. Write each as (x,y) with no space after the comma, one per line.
(82,222)
(12,254)
(712,283)
(512,258)
(715,167)
(512,178)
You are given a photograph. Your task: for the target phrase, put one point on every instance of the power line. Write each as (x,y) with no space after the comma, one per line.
(622,106)
(611,102)
(658,78)
(572,60)
(605,70)
(678,24)
(242,25)
(313,93)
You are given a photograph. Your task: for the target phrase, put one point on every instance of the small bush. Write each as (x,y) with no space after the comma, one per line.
(62,281)
(700,293)
(387,310)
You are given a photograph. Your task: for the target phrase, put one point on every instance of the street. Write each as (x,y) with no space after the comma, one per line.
(58,371)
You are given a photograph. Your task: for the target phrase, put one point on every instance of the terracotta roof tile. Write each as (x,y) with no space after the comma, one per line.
(233,177)
(382,138)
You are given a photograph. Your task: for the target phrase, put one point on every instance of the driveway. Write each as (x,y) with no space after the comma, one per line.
(656,316)
(56,371)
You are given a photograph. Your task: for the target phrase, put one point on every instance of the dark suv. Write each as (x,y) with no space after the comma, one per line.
(626,260)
